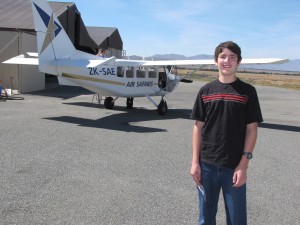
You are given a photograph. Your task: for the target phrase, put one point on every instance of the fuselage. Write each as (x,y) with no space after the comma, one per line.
(122,81)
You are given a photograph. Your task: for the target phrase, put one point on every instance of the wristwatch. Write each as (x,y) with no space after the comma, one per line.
(248,155)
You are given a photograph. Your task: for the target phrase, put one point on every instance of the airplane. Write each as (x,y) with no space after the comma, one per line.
(109,77)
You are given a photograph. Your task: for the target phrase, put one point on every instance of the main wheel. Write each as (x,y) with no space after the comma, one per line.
(129,103)
(162,107)
(108,103)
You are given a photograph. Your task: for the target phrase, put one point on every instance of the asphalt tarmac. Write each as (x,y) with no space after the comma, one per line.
(68,160)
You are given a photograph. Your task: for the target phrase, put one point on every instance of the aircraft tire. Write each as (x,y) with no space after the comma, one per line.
(162,108)
(108,103)
(129,103)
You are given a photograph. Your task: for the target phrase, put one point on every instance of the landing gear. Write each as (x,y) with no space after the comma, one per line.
(162,107)
(109,103)
(129,103)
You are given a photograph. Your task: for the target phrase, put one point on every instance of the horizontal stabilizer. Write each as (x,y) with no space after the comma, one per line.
(30,59)
(32,54)
(110,60)
(21,59)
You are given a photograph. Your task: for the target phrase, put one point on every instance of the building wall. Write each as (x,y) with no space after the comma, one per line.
(20,78)
(29,76)
(114,52)
(72,23)
(9,48)
(114,44)
(116,40)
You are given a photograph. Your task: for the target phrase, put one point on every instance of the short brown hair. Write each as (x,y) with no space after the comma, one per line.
(231,46)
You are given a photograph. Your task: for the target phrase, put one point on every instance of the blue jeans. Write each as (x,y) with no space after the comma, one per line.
(213,178)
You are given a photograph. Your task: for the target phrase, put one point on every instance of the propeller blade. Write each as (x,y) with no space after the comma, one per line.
(186,81)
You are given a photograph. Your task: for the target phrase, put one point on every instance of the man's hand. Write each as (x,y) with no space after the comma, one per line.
(196,172)
(239,177)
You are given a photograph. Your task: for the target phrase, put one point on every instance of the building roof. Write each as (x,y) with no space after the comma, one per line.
(106,37)
(99,34)
(17,14)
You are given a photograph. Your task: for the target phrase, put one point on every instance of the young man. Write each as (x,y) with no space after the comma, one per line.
(227,112)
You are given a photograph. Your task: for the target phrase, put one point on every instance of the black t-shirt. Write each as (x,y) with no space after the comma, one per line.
(225,109)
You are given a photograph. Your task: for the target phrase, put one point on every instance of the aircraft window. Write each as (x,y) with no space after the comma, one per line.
(141,73)
(130,72)
(120,71)
(152,73)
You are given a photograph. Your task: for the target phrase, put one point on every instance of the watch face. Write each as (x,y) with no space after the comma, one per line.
(248,155)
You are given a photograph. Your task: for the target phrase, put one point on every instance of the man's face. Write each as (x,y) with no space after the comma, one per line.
(227,62)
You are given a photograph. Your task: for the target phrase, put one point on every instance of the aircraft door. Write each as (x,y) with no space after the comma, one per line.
(162,79)
(172,81)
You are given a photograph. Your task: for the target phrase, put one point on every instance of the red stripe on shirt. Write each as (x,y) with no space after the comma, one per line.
(225,97)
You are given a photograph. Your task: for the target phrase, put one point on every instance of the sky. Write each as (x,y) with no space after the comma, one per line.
(262,28)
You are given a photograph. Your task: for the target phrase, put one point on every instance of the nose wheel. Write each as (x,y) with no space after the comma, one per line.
(162,107)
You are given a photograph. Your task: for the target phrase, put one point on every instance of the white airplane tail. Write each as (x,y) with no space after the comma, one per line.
(52,41)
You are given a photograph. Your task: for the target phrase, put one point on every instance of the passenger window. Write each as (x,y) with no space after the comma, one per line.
(130,72)
(120,71)
(152,73)
(141,73)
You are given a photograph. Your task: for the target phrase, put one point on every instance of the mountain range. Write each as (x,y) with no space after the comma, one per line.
(291,66)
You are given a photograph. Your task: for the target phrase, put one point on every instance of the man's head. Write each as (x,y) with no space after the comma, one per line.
(231,46)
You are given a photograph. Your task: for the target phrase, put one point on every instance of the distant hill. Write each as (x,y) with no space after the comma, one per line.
(292,65)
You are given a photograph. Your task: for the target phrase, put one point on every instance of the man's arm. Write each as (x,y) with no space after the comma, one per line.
(196,143)
(240,174)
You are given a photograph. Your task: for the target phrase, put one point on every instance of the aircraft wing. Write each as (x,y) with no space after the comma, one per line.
(180,62)
(265,61)
(31,58)
(203,62)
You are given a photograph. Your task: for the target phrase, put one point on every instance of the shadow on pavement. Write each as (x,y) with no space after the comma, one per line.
(279,127)
(125,120)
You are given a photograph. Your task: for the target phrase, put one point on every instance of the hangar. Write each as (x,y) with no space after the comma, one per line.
(17,36)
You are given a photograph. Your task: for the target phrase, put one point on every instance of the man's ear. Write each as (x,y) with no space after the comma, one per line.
(216,62)
(239,63)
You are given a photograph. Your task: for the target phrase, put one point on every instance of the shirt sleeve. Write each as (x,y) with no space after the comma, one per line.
(253,109)
(199,112)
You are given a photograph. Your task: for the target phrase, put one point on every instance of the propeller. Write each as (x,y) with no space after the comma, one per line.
(186,80)
(174,77)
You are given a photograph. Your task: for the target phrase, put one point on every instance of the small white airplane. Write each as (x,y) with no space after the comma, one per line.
(105,76)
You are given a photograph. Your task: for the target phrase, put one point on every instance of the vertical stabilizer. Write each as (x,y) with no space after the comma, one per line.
(52,41)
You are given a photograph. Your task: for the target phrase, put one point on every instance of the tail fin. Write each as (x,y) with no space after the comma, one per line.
(52,41)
